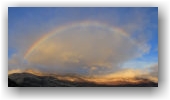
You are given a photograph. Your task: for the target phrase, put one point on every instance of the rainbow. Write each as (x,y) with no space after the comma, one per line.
(72,25)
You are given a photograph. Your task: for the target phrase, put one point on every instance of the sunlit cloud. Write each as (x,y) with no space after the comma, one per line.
(90,46)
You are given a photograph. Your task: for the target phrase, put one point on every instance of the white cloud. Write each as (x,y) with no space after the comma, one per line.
(86,47)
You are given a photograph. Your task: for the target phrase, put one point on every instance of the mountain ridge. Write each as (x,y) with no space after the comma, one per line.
(31,80)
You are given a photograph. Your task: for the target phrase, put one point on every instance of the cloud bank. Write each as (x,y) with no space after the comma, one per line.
(84,49)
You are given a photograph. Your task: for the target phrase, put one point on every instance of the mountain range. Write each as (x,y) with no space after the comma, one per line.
(31,80)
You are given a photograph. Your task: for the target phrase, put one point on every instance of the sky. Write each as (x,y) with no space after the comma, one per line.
(88,41)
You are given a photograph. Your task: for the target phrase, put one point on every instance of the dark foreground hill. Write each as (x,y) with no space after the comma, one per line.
(30,80)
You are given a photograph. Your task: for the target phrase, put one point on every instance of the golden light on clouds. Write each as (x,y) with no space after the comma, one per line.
(91,46)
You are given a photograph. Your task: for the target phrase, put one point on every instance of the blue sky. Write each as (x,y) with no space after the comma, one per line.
(26,25)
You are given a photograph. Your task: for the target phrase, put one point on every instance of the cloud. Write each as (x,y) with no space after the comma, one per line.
(154,70)
(96,49)
(124,76)
(88,49)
